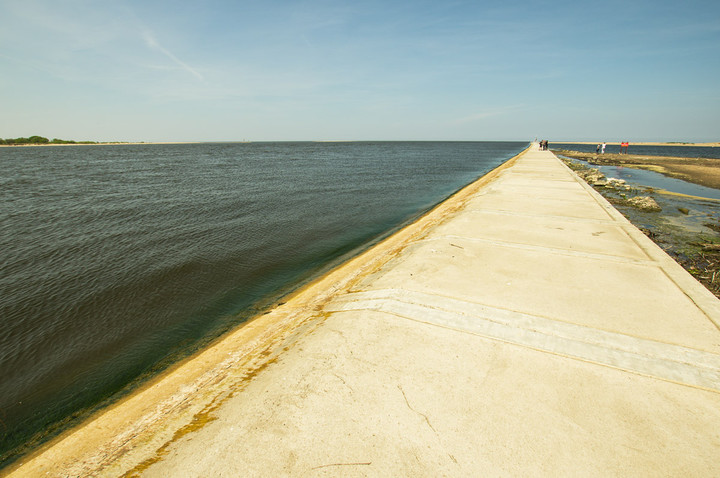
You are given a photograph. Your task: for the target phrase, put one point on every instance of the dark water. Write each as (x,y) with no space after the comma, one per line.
(116,260)
(677,151)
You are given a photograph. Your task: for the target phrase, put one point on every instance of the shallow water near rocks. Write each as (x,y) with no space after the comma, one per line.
(690,213)
(642,177)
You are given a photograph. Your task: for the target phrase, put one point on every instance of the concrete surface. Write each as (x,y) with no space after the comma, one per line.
(524,328)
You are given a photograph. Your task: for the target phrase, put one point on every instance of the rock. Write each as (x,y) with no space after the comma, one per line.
(684,210)
(614,183)
(592,176)
(645,203)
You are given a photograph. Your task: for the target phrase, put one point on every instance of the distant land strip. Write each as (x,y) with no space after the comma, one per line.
(644,143)
(42,141)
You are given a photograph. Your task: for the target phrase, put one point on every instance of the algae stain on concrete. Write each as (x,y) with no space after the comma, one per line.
(198,421)
(202,418)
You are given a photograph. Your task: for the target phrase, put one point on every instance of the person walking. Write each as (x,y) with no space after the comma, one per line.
(602,149)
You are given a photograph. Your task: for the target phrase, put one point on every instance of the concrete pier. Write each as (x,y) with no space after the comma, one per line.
(523,328)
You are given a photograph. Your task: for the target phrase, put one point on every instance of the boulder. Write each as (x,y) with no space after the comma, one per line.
(619,184)
(592,176)
(645,203)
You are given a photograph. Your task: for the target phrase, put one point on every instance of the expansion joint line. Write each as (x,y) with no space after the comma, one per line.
(670,362)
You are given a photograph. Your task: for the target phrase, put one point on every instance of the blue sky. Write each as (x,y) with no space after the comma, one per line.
(216,70)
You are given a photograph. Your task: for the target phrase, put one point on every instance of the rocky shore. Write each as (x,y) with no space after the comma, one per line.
(702,171)
(689,235)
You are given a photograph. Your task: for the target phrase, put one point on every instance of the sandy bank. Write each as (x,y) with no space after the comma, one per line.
(703,171)
(132,434)
(640,143)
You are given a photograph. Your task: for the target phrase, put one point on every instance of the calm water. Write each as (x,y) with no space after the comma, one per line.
(678,151)
(641,177)
(116,260)
(701,204)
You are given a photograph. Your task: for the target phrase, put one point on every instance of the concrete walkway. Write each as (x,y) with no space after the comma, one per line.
(528,330)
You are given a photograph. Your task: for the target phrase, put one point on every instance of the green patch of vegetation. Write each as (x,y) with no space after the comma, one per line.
(35,140)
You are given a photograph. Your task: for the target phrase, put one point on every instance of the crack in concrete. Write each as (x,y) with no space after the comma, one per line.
(427,420)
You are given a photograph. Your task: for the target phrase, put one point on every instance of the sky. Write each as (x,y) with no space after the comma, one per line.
(221,70)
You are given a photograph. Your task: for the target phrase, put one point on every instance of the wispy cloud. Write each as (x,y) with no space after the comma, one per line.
(152,42)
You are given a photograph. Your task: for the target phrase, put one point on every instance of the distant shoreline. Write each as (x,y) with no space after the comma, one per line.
(641,143)
(118,143)
(121,143)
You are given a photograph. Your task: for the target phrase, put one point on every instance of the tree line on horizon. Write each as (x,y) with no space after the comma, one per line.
(41,140)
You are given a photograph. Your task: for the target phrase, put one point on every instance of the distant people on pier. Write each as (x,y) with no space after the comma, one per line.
(544,145)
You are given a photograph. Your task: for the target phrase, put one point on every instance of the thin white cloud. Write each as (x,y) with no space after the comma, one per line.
(153,43)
